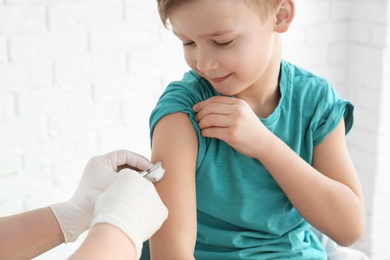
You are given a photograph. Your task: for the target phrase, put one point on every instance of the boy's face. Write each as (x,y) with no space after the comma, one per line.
(225,42)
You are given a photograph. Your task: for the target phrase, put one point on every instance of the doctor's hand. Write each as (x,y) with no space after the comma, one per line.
(75,215)
(133,205)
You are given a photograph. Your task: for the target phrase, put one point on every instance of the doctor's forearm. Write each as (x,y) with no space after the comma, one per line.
(29,234)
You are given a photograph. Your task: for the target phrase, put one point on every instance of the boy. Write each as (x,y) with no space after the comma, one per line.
(253,146)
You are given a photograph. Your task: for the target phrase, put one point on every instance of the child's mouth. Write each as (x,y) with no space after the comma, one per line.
(219,79)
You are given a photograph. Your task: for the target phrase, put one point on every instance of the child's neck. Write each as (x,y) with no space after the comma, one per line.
(264,97)
(264,105)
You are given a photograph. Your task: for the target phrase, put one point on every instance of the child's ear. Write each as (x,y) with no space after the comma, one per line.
(284,15)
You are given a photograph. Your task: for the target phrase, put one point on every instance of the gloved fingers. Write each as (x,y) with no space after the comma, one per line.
(92,195)
(132,204)
(141,195)
(125,157)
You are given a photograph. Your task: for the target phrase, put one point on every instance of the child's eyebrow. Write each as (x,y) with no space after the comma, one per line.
(216,33)
(212,34)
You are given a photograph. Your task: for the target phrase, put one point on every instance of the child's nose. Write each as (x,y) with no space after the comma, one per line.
(205,61)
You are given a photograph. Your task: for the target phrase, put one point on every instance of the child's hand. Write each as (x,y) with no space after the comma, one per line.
(233,121)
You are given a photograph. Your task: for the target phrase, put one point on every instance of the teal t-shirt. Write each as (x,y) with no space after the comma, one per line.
(242,213)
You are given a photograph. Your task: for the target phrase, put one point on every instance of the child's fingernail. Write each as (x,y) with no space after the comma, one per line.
(195,107)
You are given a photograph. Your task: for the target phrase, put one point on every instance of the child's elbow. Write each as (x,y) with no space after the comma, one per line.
(354,234)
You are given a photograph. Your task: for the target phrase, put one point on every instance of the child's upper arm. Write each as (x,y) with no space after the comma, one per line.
(175,143)
(331,158)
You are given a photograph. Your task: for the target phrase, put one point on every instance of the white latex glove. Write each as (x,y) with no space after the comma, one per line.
(131,204)
(75,215)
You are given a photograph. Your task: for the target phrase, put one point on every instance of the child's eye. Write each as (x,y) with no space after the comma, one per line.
(188,44)
(224,44)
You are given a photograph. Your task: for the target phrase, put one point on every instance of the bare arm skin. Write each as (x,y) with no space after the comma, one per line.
(327,194)
(175,144)
(105,241)
(29,234)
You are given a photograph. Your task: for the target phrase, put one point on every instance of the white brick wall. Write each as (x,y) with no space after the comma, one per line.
(87,14)
(3,49)
(79,78)
(22,18)
(50,45)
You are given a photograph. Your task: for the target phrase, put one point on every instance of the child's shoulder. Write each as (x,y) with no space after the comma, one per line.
(303,80)
(300,73)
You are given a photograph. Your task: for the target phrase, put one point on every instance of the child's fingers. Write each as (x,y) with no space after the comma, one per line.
(217,99)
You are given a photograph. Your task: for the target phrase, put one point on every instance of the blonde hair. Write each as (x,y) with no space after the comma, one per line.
(165,7)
